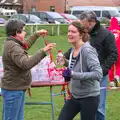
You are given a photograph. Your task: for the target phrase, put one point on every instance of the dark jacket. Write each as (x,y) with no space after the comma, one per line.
(17,65)
(104,42)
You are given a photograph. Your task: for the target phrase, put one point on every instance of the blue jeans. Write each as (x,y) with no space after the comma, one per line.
(13,104)
(101,112)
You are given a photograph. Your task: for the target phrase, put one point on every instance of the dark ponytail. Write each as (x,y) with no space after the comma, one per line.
(86,37)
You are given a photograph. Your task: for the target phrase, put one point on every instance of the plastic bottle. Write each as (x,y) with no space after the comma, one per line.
(60,58)
(59,65)
(60,53)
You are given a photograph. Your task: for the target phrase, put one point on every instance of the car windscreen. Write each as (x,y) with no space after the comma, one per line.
(77,13)
(33,18)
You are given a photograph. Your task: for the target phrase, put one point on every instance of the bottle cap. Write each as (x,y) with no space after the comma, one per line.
(59,50)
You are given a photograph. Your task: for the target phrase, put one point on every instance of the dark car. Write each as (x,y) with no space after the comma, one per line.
(51,17)
(28,18)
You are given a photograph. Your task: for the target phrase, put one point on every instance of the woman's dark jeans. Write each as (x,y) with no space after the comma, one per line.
(86,106)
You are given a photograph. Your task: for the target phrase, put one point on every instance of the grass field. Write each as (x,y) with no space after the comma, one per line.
(43,112)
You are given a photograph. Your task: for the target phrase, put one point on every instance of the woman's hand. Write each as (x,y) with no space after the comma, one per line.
(67,74)
(42,32)
(49,47)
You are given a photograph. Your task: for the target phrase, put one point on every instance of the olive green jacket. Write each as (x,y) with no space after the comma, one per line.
(17,64)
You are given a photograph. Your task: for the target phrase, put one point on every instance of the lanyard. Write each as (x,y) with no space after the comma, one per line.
(70,59)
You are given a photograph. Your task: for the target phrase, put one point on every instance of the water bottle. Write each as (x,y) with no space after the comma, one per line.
(60,58)
(59,65)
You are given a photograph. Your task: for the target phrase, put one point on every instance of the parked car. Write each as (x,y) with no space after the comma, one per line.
(2,20)
(28,18)
(118,9)
(69,17)
(51,17)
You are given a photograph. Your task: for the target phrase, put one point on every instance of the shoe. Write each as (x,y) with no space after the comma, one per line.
(119,84)
(112,84)
(116,82)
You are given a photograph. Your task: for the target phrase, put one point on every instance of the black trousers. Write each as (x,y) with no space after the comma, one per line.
(86,106)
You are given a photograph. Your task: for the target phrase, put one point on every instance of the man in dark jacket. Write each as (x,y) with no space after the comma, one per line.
(104,42)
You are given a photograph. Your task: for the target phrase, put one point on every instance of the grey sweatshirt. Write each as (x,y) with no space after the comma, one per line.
(86,74)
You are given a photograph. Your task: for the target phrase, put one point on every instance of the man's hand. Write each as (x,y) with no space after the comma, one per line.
(42,32)
(104,69)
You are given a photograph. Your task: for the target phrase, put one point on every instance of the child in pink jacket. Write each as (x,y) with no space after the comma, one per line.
(114,72)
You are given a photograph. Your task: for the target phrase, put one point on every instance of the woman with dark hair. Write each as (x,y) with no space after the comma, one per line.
(84,73)
(17,65)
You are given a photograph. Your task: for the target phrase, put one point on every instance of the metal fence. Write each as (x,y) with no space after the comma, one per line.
(53,29)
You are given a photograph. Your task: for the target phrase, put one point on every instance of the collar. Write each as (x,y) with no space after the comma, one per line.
(21,43)
(94,31)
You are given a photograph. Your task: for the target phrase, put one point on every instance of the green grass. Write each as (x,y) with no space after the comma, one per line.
(43,112)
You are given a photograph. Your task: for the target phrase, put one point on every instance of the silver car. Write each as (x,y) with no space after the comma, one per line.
(28,18)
